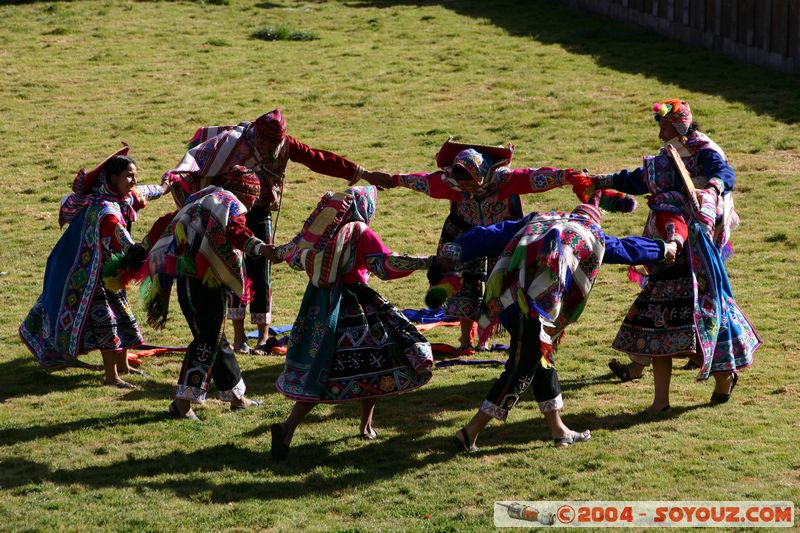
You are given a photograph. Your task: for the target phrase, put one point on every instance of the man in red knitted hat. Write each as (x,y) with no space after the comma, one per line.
(202,248)
(265,147)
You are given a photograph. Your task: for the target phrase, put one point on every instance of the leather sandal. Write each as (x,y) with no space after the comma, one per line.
(663,411)
(368,436)
(620,370)
(463,446)
(175,413)
(136,372)
(246,404)
(120,384)
(721,397)
(242,348)
(564,442)
(265,348)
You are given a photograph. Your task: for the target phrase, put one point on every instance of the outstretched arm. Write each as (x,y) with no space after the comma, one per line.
(323,161)
(484,241)
(383,262)
(142,194)
(430,184)
(241,237)
(531,180)
(637,250)
(627,181)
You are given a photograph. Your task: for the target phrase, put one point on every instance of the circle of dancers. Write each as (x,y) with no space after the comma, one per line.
(495,267)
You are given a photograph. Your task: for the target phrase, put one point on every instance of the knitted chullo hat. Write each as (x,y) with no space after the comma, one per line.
(243,182)
(676,112)
(271,127)
(590,210)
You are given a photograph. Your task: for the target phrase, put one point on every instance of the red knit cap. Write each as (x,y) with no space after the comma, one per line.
(677,112)
(271,127)
(242,182)
(588,210)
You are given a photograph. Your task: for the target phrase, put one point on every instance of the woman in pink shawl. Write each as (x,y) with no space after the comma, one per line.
(348,343)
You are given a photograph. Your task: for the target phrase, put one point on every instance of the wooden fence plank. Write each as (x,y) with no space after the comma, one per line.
(728,16)
(762,32)
(779,28)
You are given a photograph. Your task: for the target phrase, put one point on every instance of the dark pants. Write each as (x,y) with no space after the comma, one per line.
(259,220)
(209,355)
(525,367)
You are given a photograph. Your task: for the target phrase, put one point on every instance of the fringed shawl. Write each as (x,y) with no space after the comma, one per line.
(195,244)
(548,270)
(325,247)
(726,337)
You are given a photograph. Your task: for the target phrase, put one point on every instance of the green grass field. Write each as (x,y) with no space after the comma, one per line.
(383,83)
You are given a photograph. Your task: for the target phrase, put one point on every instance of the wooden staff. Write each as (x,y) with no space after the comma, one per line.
(686,179)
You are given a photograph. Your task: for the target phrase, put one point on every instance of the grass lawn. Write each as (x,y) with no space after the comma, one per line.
(383,83)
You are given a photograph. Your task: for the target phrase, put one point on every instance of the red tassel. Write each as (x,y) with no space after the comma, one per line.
(637,277)
(582,186)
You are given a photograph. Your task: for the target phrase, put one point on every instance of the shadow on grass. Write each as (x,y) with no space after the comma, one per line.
(633,50)
(354,467)
(312,468)
(260,383)
(16,435)
(23,377)
(321,472)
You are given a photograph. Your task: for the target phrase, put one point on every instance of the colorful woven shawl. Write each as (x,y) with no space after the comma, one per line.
(325,246)
(212,150)
(54,327)
(548,270)
(726,337)
(195,245)
(661,177)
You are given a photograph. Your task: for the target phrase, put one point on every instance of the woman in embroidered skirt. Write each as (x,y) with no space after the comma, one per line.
(202,249)
(78,311)
(348,342)
(482,190)
(547,266)
(686,309)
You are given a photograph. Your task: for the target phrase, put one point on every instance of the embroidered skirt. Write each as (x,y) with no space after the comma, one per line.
(110,324)
(660,321)
(466,303)
(373,350)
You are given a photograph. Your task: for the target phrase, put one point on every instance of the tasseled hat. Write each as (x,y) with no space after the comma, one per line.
(677,112)
(242,182)
(605,200)
(271,127)
(588,210)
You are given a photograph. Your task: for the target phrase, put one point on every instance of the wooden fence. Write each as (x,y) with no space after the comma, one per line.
(760,32)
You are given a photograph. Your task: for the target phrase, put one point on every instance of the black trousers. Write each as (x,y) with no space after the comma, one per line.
(259,220)
(525,367)
(209,355)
